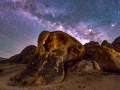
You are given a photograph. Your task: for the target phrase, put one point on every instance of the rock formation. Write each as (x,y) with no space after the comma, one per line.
(84,67)
(116,44)
(27,54)
(24,57)
(107,44)
(54,53)
(107,58)
(58,52)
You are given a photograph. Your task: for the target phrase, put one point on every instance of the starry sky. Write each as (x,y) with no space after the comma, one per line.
(21,21)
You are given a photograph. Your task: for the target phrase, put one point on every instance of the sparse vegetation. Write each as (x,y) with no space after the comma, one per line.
(11,78)
(106,73)
(13,81)
(24,83)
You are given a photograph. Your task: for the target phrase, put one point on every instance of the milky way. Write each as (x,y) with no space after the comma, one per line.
(21,21)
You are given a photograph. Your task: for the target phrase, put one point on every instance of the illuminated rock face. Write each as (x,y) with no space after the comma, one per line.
(68,44)
(41,39)
(54,52)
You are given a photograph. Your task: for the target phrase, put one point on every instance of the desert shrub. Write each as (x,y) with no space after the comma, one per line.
(11,78)
(105,73)
(14,81)
(24,83)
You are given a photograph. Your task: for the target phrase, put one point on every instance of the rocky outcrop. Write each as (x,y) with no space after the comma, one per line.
(84,67)
(27,54)
(90,49)
(24,57)
(107,44)
(107,58)
(58,52)
(54,52)
(116,44)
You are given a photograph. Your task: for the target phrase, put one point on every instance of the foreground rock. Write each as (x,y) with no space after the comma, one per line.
(84,67)
(54,52)
(107,58)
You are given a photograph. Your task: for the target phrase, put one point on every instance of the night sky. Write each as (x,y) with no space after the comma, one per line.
(21,21)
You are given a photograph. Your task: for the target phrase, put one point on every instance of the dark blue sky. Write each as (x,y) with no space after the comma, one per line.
(21,21)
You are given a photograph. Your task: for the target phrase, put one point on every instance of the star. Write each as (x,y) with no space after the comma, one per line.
(113,25)
(90,30)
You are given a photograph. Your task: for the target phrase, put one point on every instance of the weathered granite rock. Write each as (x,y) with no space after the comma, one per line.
(41,40)
(84,67)
(58,39)
(24,57)
(107,58)
(96,65)
(116,44)
(27,54)
(90,50)
(107,44)
(114,60)
(54,51)
(42,70)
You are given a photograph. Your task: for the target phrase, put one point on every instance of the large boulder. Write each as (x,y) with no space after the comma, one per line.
(116,44)
(24,57)
(84,67)
(54,51)
(107,58)
(89,48)
(27,54)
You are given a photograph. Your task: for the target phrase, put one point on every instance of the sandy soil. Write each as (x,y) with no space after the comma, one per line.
(94,81)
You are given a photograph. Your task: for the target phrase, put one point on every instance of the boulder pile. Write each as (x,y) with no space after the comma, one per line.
(57,52)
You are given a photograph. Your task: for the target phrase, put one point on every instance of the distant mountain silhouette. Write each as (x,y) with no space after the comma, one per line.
(2,58)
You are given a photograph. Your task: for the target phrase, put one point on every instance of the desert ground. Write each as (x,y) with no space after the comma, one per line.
(73,81)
